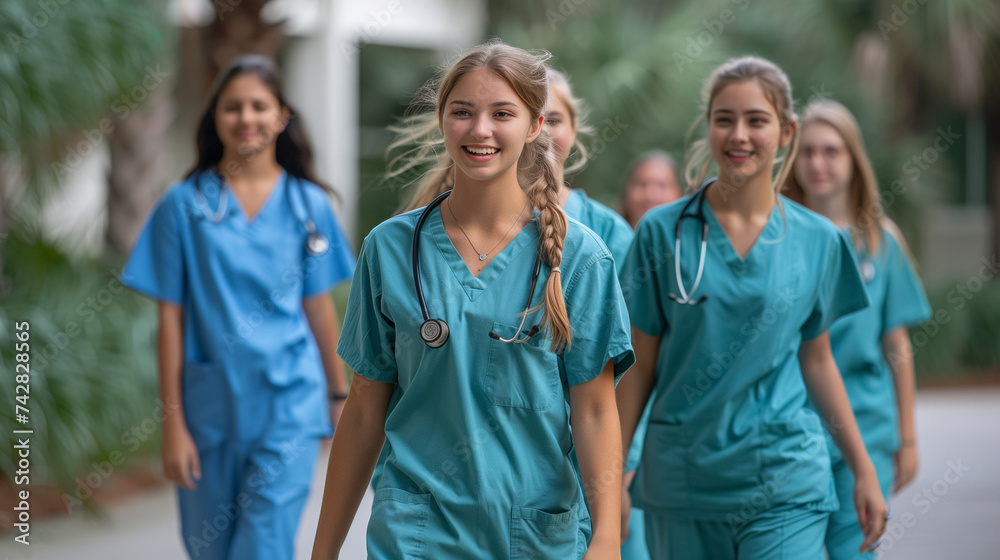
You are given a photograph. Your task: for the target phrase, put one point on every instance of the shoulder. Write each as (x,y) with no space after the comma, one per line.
(396,231)
(809,226)
(582,240)
(316,193)
(601,215)
(659,222)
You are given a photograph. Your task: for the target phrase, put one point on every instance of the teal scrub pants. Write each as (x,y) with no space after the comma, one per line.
(782,533)
(249,499)
(635,547)
(843,535)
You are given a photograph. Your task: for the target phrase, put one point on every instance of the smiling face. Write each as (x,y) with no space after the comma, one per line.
(560,126)
(248,116)
(485,126)
(745,133)
(824,167)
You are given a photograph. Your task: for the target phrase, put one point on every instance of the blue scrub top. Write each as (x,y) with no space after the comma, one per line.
(241,285)
(617,235)
(479,438)
(729,432)
(898,300)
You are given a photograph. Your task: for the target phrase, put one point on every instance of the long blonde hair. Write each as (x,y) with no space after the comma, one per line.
(420,136)
(777,89)
(866,207)
(577,116)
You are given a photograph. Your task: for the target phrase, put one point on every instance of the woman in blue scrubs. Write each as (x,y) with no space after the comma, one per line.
(479,438)
(833,176)
(564,122)
(241,256)
(735,466)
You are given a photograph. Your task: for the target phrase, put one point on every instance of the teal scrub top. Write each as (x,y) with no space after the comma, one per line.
(617,235)
(479,437)
(241,285)
(605,222)
(729,432)
(898,300)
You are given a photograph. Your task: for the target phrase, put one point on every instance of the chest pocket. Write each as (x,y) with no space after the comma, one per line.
(521,375)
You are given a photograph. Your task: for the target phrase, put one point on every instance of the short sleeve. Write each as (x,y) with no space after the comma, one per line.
(323,272)
(640,282)
(367,341)
(619,240)
(840,290)
(600,334)
(156,266)
(905,301)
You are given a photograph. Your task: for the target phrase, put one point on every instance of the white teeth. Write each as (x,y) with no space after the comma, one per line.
(481,151)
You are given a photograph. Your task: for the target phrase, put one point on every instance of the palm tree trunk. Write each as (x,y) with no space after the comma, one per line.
(138,169)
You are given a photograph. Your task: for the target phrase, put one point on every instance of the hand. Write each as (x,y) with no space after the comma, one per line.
(626,504)
(906,461)
(181,464)
(870,505)
(603,550)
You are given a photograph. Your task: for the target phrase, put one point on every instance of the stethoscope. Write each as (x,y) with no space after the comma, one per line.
(866,266)
(316,242)
(698,201)
(434,332)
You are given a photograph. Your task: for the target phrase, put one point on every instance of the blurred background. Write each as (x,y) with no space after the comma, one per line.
(99,100)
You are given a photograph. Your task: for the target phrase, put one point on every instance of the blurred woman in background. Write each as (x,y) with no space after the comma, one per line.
(833,176)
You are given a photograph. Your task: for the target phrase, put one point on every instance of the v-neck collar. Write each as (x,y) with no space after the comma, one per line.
(719,239)
(276,191)
(476,285)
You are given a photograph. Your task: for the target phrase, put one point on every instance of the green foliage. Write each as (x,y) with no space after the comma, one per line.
(964,335)
(64,64)
(92,375)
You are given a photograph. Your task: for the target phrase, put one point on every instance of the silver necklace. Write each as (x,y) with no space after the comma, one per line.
(482,256)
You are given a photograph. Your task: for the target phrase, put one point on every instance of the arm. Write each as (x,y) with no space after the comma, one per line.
(179,454)
(899,355)
(356,446)
(595,424)
(322,317)
(826,391)
(632,393)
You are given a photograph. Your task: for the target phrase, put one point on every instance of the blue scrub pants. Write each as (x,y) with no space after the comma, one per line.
(249,499)
(635,547)
(782,533)
(843,535)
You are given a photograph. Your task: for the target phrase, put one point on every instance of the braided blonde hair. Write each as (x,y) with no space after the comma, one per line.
(419,135)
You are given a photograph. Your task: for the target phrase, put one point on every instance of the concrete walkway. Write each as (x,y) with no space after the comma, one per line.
(952,509)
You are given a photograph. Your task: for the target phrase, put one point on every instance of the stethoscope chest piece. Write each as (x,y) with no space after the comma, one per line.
(867,269)
(434,332)
(317,244)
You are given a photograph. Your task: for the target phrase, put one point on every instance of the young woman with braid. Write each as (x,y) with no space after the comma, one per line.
(479,438)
